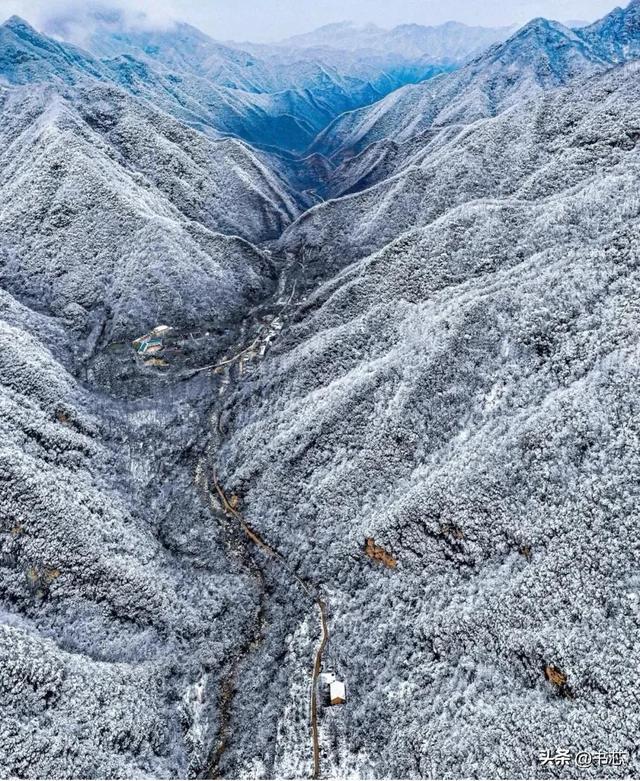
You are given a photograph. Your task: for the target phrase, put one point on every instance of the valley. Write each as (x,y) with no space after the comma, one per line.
(318,358)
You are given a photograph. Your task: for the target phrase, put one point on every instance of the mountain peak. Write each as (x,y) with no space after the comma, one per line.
(345,24)
(20,29)
(633,9)
(16,22)
(616,36)
(541,28)
(542,24)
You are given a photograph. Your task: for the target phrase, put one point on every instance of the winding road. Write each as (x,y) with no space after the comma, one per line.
(231,511)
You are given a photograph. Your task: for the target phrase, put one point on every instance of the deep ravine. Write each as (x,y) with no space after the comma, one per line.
(246,544)
(409,469)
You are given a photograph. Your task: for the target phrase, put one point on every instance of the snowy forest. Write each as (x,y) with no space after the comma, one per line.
(320,401)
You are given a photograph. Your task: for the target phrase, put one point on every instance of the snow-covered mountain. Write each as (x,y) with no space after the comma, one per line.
(26,56)
(117,602)
(179,48)
(466,397)
(111,204)
(394,435)
(455,168)
(389,146)
(449,42)
(378,143)
(616,37)
(540,56)
(275,104)
(272,97)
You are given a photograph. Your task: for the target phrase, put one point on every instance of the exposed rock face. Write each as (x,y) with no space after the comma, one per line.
(378,553)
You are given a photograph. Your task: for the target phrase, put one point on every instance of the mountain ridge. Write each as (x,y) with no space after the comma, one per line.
(450,41)
(225,91)
(441,365)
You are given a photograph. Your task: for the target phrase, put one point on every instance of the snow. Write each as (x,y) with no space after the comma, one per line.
(454,376)
(536,58)
(451,41)
(132,243)
(370,418)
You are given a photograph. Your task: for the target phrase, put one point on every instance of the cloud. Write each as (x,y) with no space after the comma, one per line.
(74,20)
(262,20)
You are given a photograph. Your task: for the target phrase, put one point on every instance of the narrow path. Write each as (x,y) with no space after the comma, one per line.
(317,667)
(228,686)
(231,511)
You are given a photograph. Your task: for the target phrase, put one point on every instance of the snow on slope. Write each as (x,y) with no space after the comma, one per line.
(26,57)
(616,37)
(468,397)
(271,96)
(117,593)
(222,184)
(281,97)
(540,56)
(397,160)
(373,143)
(449,42)
(110,607)
(111,205)
(250,67)
(519,153)
(179,48)
(29,57)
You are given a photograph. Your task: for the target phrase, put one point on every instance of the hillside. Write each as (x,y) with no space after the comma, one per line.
(553,145)
(403,160)
(616,37)
(373,143)
(334,491)
(110,609)
(466,397)
(130,213)
(270,96)
(540,56)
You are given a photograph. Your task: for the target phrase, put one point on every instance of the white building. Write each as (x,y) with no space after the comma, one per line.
(337,693)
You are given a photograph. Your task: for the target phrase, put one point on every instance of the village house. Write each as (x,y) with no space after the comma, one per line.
(337,693)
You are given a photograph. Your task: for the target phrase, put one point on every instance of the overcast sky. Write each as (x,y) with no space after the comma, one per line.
(264,20)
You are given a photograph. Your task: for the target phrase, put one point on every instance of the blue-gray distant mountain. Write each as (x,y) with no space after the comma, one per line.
(450,42)
(616,37)
(540,56)
(372,143)
(26,56)
(270,97)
